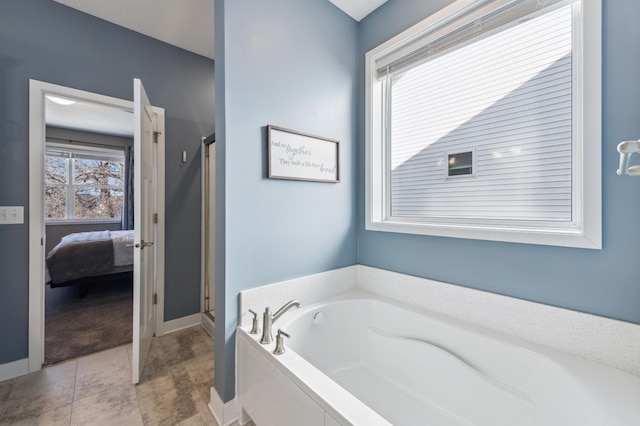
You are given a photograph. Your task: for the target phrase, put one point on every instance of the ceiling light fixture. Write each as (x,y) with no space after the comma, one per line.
(60,101)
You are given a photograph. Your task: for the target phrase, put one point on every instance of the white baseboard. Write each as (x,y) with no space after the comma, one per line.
(207,324)
(224,413)
(14,369)
(179,324)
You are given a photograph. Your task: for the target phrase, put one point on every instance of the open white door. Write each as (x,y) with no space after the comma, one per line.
(144,232)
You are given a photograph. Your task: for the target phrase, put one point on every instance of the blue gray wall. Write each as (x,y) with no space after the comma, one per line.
(43,40)
(605,282)
(291,64)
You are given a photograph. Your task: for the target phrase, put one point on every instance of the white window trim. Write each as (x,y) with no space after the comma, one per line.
(70,187)
(587,169)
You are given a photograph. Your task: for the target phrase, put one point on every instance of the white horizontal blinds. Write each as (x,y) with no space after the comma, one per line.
(100,153)
(476,18)
(506,96)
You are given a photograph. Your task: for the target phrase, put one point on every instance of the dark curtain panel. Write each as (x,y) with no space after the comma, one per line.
(127,202)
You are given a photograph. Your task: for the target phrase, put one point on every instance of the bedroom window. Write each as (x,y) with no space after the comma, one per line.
(488,94)
(83,183)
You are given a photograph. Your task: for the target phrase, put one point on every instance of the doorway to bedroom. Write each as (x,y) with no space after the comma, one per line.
(105,280)
(88,200)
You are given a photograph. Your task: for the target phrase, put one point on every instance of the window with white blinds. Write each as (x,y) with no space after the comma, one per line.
(83,183)
(477,121)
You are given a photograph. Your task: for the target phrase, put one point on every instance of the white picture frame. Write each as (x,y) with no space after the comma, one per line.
(298,156)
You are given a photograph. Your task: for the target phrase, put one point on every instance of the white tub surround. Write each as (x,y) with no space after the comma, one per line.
(546,354)
(360,359)
(309,289)
(604,340)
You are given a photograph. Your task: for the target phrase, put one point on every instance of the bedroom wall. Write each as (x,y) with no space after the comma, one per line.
(603,282)
(44,40)
(290,64)
(79,137)
(55,231)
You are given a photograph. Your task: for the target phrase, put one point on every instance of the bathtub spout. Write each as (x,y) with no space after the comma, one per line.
(290,304)
(268,319)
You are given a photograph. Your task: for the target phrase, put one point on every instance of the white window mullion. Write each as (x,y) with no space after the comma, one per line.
(70,191)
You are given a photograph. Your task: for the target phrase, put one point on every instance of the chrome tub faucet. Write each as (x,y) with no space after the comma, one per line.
(268,319)
(279,350)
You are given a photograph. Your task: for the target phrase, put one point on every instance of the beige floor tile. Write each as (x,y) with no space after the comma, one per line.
(193,380)
(156,364)
(249,423)
(156,397)
(114,406)
(201,419)
(45,381)
(102,371)
(39,392)
(174,390)
(185,344)
(186,405)
(198,370)
(60,416)
(177,393)
(5,388)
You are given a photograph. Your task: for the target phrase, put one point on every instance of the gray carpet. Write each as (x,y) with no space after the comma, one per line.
(79,326)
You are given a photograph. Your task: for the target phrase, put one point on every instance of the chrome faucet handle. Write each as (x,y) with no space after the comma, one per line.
(267,322)
(255,329)
(279,350)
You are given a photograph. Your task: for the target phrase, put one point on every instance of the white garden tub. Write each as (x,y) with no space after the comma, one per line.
(358,359)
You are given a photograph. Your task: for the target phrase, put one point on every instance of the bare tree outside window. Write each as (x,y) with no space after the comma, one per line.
(81,187)
(56,176)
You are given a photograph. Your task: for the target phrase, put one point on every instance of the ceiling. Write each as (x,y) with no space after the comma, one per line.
(89,117)
(358,9)
(187,24)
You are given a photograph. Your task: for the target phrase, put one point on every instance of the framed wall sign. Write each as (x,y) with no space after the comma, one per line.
(298,156)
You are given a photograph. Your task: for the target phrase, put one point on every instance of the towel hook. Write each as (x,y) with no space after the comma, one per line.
(625,149)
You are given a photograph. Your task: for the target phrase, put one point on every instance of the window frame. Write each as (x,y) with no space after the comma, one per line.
(71,186)
(585,230)
(447,168)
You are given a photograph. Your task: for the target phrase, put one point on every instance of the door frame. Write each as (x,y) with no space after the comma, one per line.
(207,219)
(208,226)
(37,136)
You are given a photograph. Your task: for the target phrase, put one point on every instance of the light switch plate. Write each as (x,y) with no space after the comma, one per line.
(10,215)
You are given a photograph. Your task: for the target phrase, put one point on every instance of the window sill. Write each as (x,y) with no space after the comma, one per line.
(550,237)
(64,222)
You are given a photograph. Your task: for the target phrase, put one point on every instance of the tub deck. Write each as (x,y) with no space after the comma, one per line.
(369,361)
(395,404)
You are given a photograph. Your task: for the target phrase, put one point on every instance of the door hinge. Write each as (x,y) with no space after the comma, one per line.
(155,137)
(155,218)
(41,241)
(155,298)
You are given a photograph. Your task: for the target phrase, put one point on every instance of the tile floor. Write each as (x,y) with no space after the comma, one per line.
(97,390)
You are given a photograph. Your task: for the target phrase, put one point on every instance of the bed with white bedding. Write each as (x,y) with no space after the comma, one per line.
(90,257)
